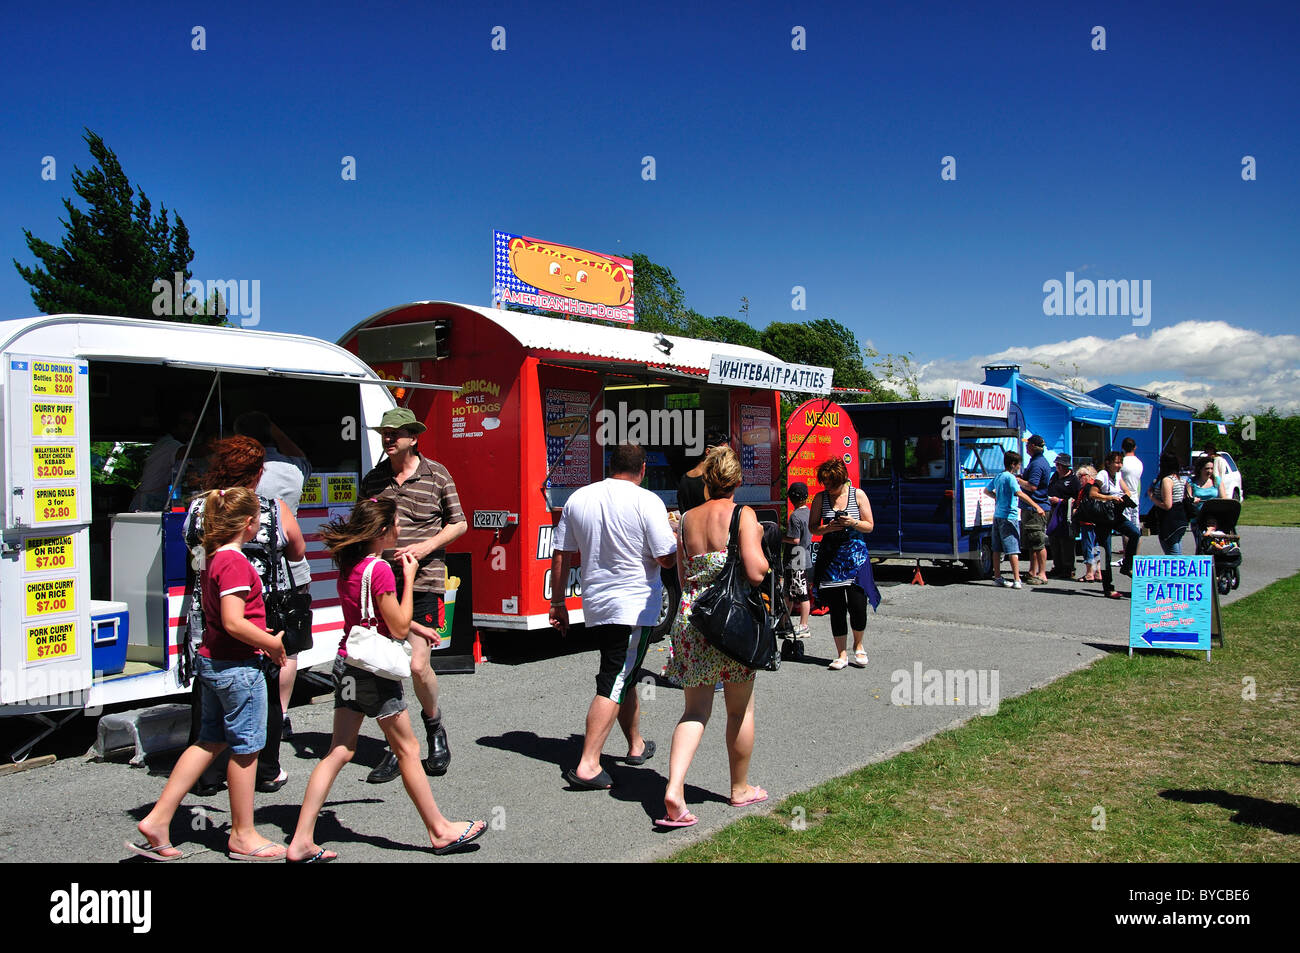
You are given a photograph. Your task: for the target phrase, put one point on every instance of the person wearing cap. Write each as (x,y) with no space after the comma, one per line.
(429,518)
(1061,491)
(798,539)
(1033,519)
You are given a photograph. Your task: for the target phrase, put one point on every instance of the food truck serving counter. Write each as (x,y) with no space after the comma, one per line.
(541,403)
(93,594)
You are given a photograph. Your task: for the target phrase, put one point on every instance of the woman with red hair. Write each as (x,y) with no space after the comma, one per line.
(237,461)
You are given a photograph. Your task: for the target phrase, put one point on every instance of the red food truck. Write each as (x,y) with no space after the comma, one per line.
(541,401)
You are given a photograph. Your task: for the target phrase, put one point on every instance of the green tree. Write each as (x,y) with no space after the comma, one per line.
(113,251)
(657,298)
(722,328)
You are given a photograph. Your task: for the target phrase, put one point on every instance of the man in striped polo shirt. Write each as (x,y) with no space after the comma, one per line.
(429,517)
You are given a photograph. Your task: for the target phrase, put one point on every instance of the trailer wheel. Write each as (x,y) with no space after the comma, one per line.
(671,599)
(985,567)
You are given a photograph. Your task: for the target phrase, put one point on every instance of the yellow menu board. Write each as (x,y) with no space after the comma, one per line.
(43,553)
(54,462)
(52,379)
(54,419)
(48,596)
(340,487)
(311,492)
(52,641)
(55,504)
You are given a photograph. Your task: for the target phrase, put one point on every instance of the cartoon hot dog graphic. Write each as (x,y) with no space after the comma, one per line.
(570,272)
(567,426)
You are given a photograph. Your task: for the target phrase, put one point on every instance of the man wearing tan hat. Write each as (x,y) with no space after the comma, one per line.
(429,517)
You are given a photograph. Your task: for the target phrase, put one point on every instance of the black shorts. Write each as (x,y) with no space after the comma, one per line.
(427,609)
(358,690)
(622,650)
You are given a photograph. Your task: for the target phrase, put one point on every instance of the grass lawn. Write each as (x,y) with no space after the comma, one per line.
(1277,511)
(1184,767)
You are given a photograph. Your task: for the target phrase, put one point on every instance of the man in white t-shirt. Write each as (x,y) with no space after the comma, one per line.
(1130,475)
(622,535)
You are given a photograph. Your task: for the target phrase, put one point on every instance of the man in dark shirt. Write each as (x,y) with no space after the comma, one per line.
(1061,491)
(1033,523)
(429,517)
(690,490)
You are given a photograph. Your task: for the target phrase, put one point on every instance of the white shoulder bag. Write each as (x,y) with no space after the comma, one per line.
(370,650)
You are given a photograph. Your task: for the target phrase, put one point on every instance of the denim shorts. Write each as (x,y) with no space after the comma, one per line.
(1007,535)
(233,703)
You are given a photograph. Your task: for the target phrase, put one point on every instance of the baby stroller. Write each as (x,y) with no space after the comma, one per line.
(773,590)
(1216,523)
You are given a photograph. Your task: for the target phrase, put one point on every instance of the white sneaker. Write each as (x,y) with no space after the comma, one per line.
(1017,585)
(801,631)
(1002,582)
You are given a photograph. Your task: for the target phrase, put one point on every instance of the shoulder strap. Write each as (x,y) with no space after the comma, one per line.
(733,534)
(367,598)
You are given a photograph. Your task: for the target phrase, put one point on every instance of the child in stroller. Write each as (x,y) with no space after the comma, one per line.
(1216,522)
(773,589)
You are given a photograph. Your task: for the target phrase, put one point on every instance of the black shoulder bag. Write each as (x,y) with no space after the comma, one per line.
(731,615)
(287,610)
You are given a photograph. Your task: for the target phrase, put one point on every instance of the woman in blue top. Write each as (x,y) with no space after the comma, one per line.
(1205,486)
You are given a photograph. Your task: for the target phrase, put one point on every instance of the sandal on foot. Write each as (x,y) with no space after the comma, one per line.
(684,819)
(464,838)
(646,754)
(859,659)
(153,852)
(600,782)
(758,797)
(317,858)
(260,854)
(838,664)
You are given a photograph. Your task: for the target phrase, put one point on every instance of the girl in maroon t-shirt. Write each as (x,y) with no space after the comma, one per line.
(357,543)
(230,678)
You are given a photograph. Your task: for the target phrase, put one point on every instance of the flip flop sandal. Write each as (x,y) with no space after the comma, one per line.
(463,839)
(600,782)
(838,664)
(316,858)
(685,819)
(859,660)
(151,852)
(644,756)
(260,855)
(758,797)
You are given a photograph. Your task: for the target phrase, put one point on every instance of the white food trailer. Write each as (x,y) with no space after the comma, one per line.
(93,598)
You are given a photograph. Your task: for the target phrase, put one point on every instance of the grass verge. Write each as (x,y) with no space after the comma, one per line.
(1183,764)
(1277,511)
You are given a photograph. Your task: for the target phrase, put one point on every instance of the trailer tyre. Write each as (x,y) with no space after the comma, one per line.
(985,566)
(671,599)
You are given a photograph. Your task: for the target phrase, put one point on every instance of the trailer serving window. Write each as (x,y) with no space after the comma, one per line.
(134,406)
(1090,443)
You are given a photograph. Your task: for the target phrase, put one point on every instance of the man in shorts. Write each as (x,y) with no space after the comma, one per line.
(1033,521)
(429,518)
(622,535)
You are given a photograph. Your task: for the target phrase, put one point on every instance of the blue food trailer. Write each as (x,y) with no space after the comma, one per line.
(924,466)
(1067,419)
(1155,423)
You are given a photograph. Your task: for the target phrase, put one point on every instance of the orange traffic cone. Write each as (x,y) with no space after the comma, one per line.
(917,580)
(478,649)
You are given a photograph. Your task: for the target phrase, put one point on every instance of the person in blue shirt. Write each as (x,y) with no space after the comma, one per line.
(1005,489)
(1033,524)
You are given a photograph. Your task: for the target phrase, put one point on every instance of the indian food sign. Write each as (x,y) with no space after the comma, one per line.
(553,277)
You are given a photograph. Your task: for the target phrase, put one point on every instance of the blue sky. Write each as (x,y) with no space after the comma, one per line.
(774,167)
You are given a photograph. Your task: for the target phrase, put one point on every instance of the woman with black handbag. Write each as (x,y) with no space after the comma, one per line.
(1104,508)
(1168,494)
(237,461)
(706,535)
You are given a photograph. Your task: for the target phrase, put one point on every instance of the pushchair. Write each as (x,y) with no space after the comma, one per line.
(773,591)
(1222,542)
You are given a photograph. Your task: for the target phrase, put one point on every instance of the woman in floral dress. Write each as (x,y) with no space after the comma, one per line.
(697,665)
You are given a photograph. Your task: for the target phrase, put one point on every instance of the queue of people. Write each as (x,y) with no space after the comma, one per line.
(621,536)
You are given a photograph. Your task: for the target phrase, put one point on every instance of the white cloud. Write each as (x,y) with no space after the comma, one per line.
(1242,371)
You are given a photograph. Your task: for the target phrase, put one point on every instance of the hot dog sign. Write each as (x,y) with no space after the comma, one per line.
(561,278)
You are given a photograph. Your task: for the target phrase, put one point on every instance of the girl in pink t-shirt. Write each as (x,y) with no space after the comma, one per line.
(357,542)
(230,677)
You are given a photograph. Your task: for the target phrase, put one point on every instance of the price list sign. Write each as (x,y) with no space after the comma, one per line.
(47,494)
